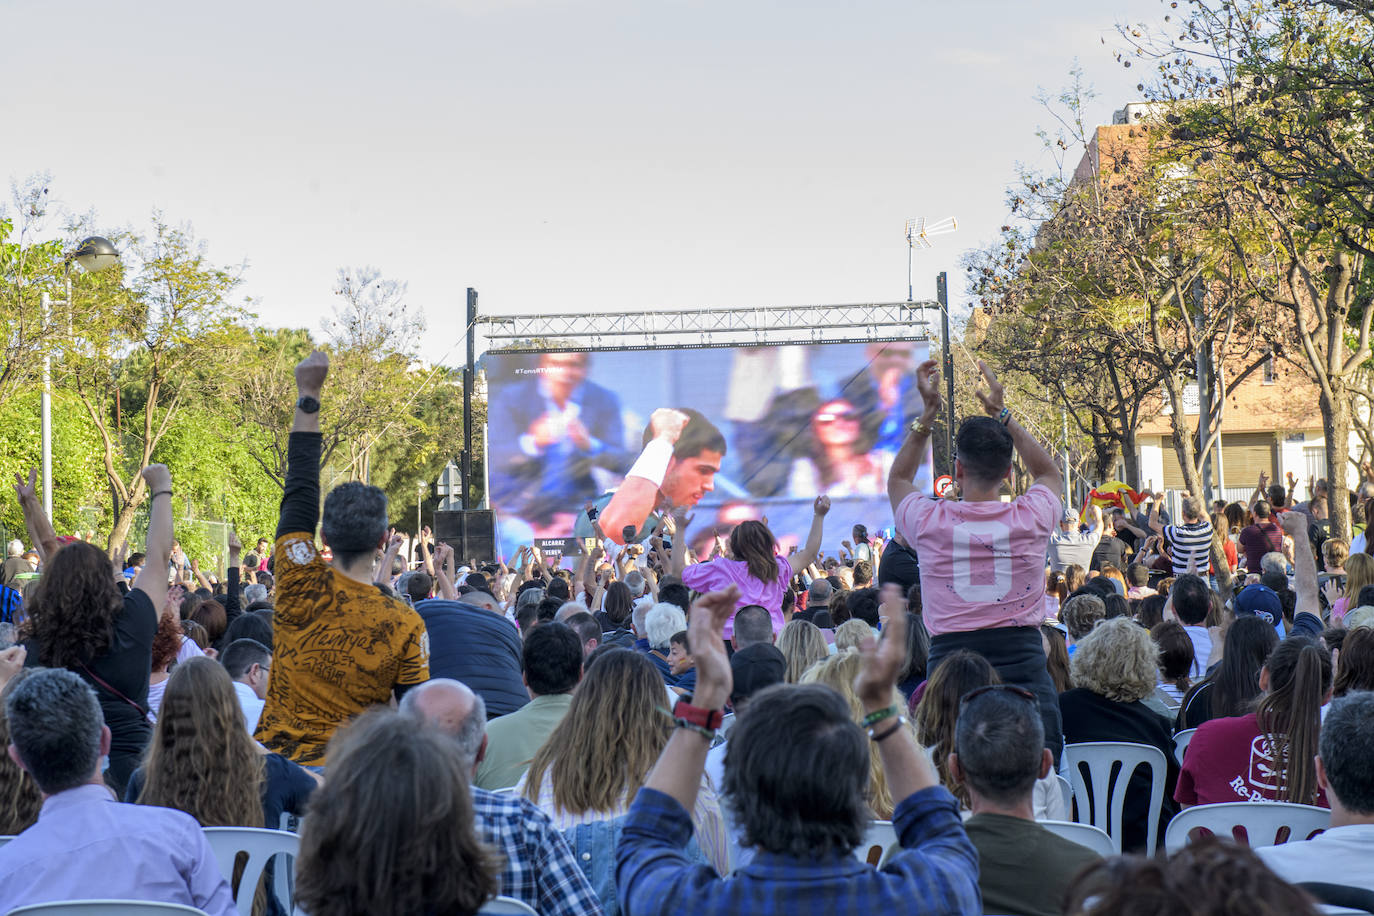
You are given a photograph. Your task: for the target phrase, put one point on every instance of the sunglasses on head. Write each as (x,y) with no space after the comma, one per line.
(1021,692)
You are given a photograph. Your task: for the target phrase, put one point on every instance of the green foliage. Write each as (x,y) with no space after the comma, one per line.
(154,361)
(75,462)
(215,476)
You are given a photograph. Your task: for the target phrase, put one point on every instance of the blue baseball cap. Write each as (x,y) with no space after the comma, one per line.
(1260,601)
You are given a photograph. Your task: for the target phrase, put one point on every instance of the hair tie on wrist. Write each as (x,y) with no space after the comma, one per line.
(161,493)
(896,727)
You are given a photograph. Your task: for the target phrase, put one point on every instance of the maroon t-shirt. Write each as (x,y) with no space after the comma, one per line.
(1229,760)
(1257,540)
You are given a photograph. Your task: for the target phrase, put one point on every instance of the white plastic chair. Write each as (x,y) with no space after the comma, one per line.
(1263,823)
(104,908)
(878,844)
(1066,788)
(1106,796)
(507,906)
(1087,835)
(260,844)
(1181,742)
(726,723)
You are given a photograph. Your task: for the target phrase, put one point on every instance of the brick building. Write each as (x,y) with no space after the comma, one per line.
(1270,423)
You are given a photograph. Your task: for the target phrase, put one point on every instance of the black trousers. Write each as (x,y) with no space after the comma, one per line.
(1018,655)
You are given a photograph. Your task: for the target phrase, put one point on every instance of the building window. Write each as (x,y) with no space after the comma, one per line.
(1270,373)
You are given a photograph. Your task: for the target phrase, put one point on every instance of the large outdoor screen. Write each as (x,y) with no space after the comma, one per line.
(734,432)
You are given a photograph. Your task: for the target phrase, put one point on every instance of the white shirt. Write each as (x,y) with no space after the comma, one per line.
(1202,649)
(250,704)
(1341,855)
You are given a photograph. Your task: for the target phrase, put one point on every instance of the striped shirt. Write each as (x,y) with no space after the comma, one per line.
(1190,545)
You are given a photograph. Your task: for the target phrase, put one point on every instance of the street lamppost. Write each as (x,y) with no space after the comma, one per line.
(93,254)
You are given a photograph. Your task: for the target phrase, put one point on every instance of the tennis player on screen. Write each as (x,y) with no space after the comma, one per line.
(677,467)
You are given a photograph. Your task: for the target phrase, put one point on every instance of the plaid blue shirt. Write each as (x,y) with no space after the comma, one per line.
(540,869)
(935,872)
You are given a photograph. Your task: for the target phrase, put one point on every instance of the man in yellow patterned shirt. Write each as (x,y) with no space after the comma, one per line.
(341,644)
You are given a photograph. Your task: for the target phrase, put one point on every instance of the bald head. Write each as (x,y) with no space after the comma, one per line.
(452,708)
(484,600)
(568,609)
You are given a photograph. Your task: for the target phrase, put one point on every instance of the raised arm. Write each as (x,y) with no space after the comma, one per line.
(232,606)
(394,540)
(906,766)
(1037,459)
(909,457)
(1128,517)
(807,555)
(300,501)
(152,579)
(425,558)
(443,555)
(203,579)
(678,770)
(1259,492)
(35,519)
(680,522)
(1304,564)
(1155,524)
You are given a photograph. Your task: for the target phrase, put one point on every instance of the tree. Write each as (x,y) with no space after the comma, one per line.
(390,421)
(27,267)
(1109,286)
(133,354)
(1277,98)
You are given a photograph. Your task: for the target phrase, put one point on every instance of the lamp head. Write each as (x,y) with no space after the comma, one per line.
(95,253)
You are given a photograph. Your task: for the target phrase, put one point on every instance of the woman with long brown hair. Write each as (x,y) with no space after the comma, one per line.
(392,833)
(1355,666)
(599,755)
(79,621)
(938,710)
(1055,641)
(1267,754)
(203,761)
(752,564)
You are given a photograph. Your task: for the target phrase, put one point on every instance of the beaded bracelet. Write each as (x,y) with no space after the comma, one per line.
(896,727)
(1004,417)
(879,715)
(708,733)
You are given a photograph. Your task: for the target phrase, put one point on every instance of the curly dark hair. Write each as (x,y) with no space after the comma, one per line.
(391,832)
(72,614)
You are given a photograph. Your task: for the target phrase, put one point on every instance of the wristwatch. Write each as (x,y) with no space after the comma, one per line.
(921,429)
(695,715)
(307,404)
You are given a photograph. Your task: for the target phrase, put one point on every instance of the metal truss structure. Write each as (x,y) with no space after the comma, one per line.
(723,327)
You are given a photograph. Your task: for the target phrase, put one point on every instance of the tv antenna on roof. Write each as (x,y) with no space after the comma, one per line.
(918,234)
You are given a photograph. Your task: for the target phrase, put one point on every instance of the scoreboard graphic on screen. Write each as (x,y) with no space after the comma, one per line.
(756,431)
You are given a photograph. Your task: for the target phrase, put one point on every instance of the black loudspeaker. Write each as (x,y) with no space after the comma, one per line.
(471,534)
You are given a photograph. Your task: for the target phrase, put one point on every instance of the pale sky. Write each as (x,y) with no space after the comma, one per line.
(557,155)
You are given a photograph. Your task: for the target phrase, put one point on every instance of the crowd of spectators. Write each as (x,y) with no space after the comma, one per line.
(643,730)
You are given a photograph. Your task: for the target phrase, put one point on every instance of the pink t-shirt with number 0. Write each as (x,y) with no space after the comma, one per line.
(982,563)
